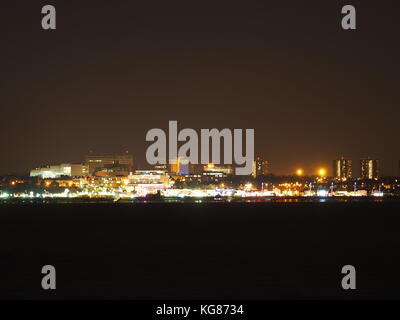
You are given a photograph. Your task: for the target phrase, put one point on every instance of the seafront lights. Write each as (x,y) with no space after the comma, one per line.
(299,172)
(322,172)
(248,186)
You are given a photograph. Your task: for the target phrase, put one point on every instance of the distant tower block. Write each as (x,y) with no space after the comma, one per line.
(342,169)
(369,169)
(260,167)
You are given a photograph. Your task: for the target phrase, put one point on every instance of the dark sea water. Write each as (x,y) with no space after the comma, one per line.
(201,250)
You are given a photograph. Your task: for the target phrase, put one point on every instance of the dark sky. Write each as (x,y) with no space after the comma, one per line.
(115,69)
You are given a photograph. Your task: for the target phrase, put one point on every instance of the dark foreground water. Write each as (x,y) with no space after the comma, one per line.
(208,250)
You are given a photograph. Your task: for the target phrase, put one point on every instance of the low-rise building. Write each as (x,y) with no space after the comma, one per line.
(148,181)
(57,171)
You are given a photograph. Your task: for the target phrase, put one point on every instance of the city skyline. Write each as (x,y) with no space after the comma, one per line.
(342,169)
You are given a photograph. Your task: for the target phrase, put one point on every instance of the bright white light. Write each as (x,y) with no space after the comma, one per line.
(248,186)
(322,193)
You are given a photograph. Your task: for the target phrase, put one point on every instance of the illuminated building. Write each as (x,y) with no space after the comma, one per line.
(173,167)
(187,168)
(260,167)
(113,170)
(217,170)
(148,181)
(56,171)
(94,162)
(180,166)
(342,169)
(105,182)
(369,169)
(67,183)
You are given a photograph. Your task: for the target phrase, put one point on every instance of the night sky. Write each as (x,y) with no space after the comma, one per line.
(115,69)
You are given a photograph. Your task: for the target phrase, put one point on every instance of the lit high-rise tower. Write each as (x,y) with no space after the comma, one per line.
(342,169)
(369,169)
(260,167)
